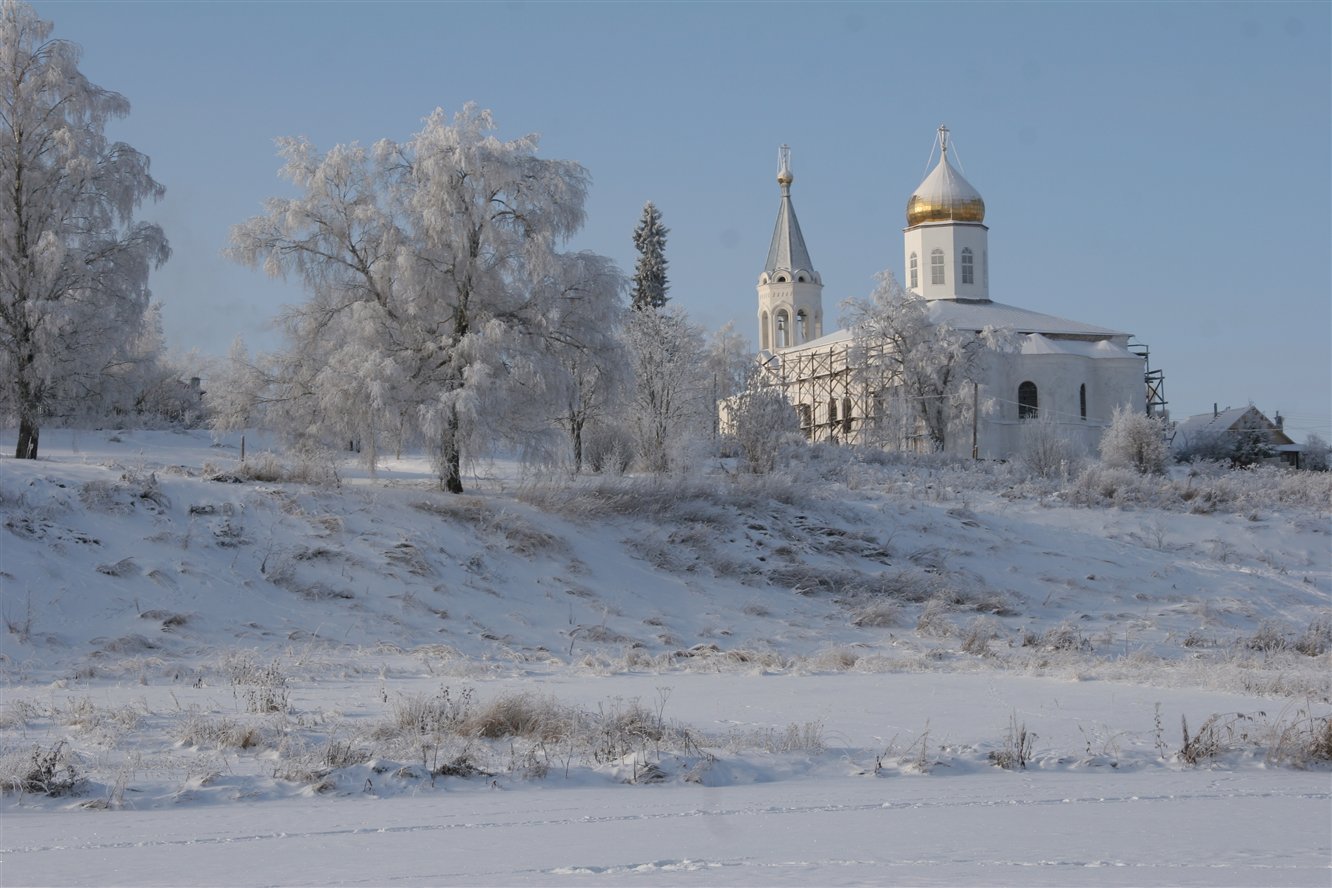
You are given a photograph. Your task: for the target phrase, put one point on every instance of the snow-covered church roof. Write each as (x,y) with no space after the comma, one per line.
(978,315)
(1036,344)
(1038,328)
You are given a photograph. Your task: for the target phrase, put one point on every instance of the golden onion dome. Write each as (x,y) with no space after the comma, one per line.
(945,196)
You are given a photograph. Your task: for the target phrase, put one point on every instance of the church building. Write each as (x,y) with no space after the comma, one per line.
(1071,373)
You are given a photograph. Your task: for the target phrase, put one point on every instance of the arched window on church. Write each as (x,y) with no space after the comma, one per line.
(832,411)
(846,416)
(766,344)
(913,272)
(806,419)
(936,266)
(1082,400)
(878,410)
(1027,404)
(802,327)
(783,329)
(968,266)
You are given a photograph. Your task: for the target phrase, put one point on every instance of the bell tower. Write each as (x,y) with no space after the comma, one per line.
(790,291)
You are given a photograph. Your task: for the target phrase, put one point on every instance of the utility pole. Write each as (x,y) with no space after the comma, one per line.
(975,402)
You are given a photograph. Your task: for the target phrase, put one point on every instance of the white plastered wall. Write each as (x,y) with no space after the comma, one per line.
(1111,382)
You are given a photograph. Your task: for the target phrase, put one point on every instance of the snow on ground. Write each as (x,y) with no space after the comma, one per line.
(714,679)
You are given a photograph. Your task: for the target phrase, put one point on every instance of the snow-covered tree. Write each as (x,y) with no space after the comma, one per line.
(1316,454)
(1250,446)
(926,368)
(730,361)
(584,332)
(730,367)
(1204,446)
(73,262)
(168,390)
(1135,440)
(670,403)
(236,392)
(763,423)
(649,283)
(437,294)
(1044,450)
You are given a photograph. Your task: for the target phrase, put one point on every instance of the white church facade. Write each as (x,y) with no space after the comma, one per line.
(1070,373)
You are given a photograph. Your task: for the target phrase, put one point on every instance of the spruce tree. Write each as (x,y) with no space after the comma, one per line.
(650,284)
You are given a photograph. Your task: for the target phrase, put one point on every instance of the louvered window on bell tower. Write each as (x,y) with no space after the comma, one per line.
(914,272)
(936,266)
(968,267)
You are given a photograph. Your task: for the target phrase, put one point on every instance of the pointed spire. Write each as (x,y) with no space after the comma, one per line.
(787,251)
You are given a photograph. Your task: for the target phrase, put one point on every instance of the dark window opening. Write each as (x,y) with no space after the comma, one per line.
(1027,402)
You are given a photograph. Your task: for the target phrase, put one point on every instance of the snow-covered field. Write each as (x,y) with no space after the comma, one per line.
(811,679)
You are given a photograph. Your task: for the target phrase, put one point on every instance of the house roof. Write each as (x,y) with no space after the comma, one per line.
(1212,423)
(1204,425)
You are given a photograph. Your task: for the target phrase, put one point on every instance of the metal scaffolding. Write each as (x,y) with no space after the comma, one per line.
(1154,380)
(843,393)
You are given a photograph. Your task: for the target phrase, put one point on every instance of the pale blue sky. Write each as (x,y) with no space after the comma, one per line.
(1161,168)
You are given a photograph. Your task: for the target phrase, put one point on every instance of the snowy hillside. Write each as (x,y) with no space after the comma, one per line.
(182,629)
(144,554)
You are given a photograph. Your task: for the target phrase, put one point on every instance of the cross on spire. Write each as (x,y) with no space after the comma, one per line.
(784,176)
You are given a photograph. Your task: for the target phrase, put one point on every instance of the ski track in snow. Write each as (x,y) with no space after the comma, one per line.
(694,812)
(668,815)
(972,838)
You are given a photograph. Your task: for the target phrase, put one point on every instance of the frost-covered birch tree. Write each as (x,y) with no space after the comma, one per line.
(650,283)
(1316,454)
(436,287)
(73,262)
(730,360)
(670,401)
(925,367)
(764,424)
(730,367)
(587,371)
